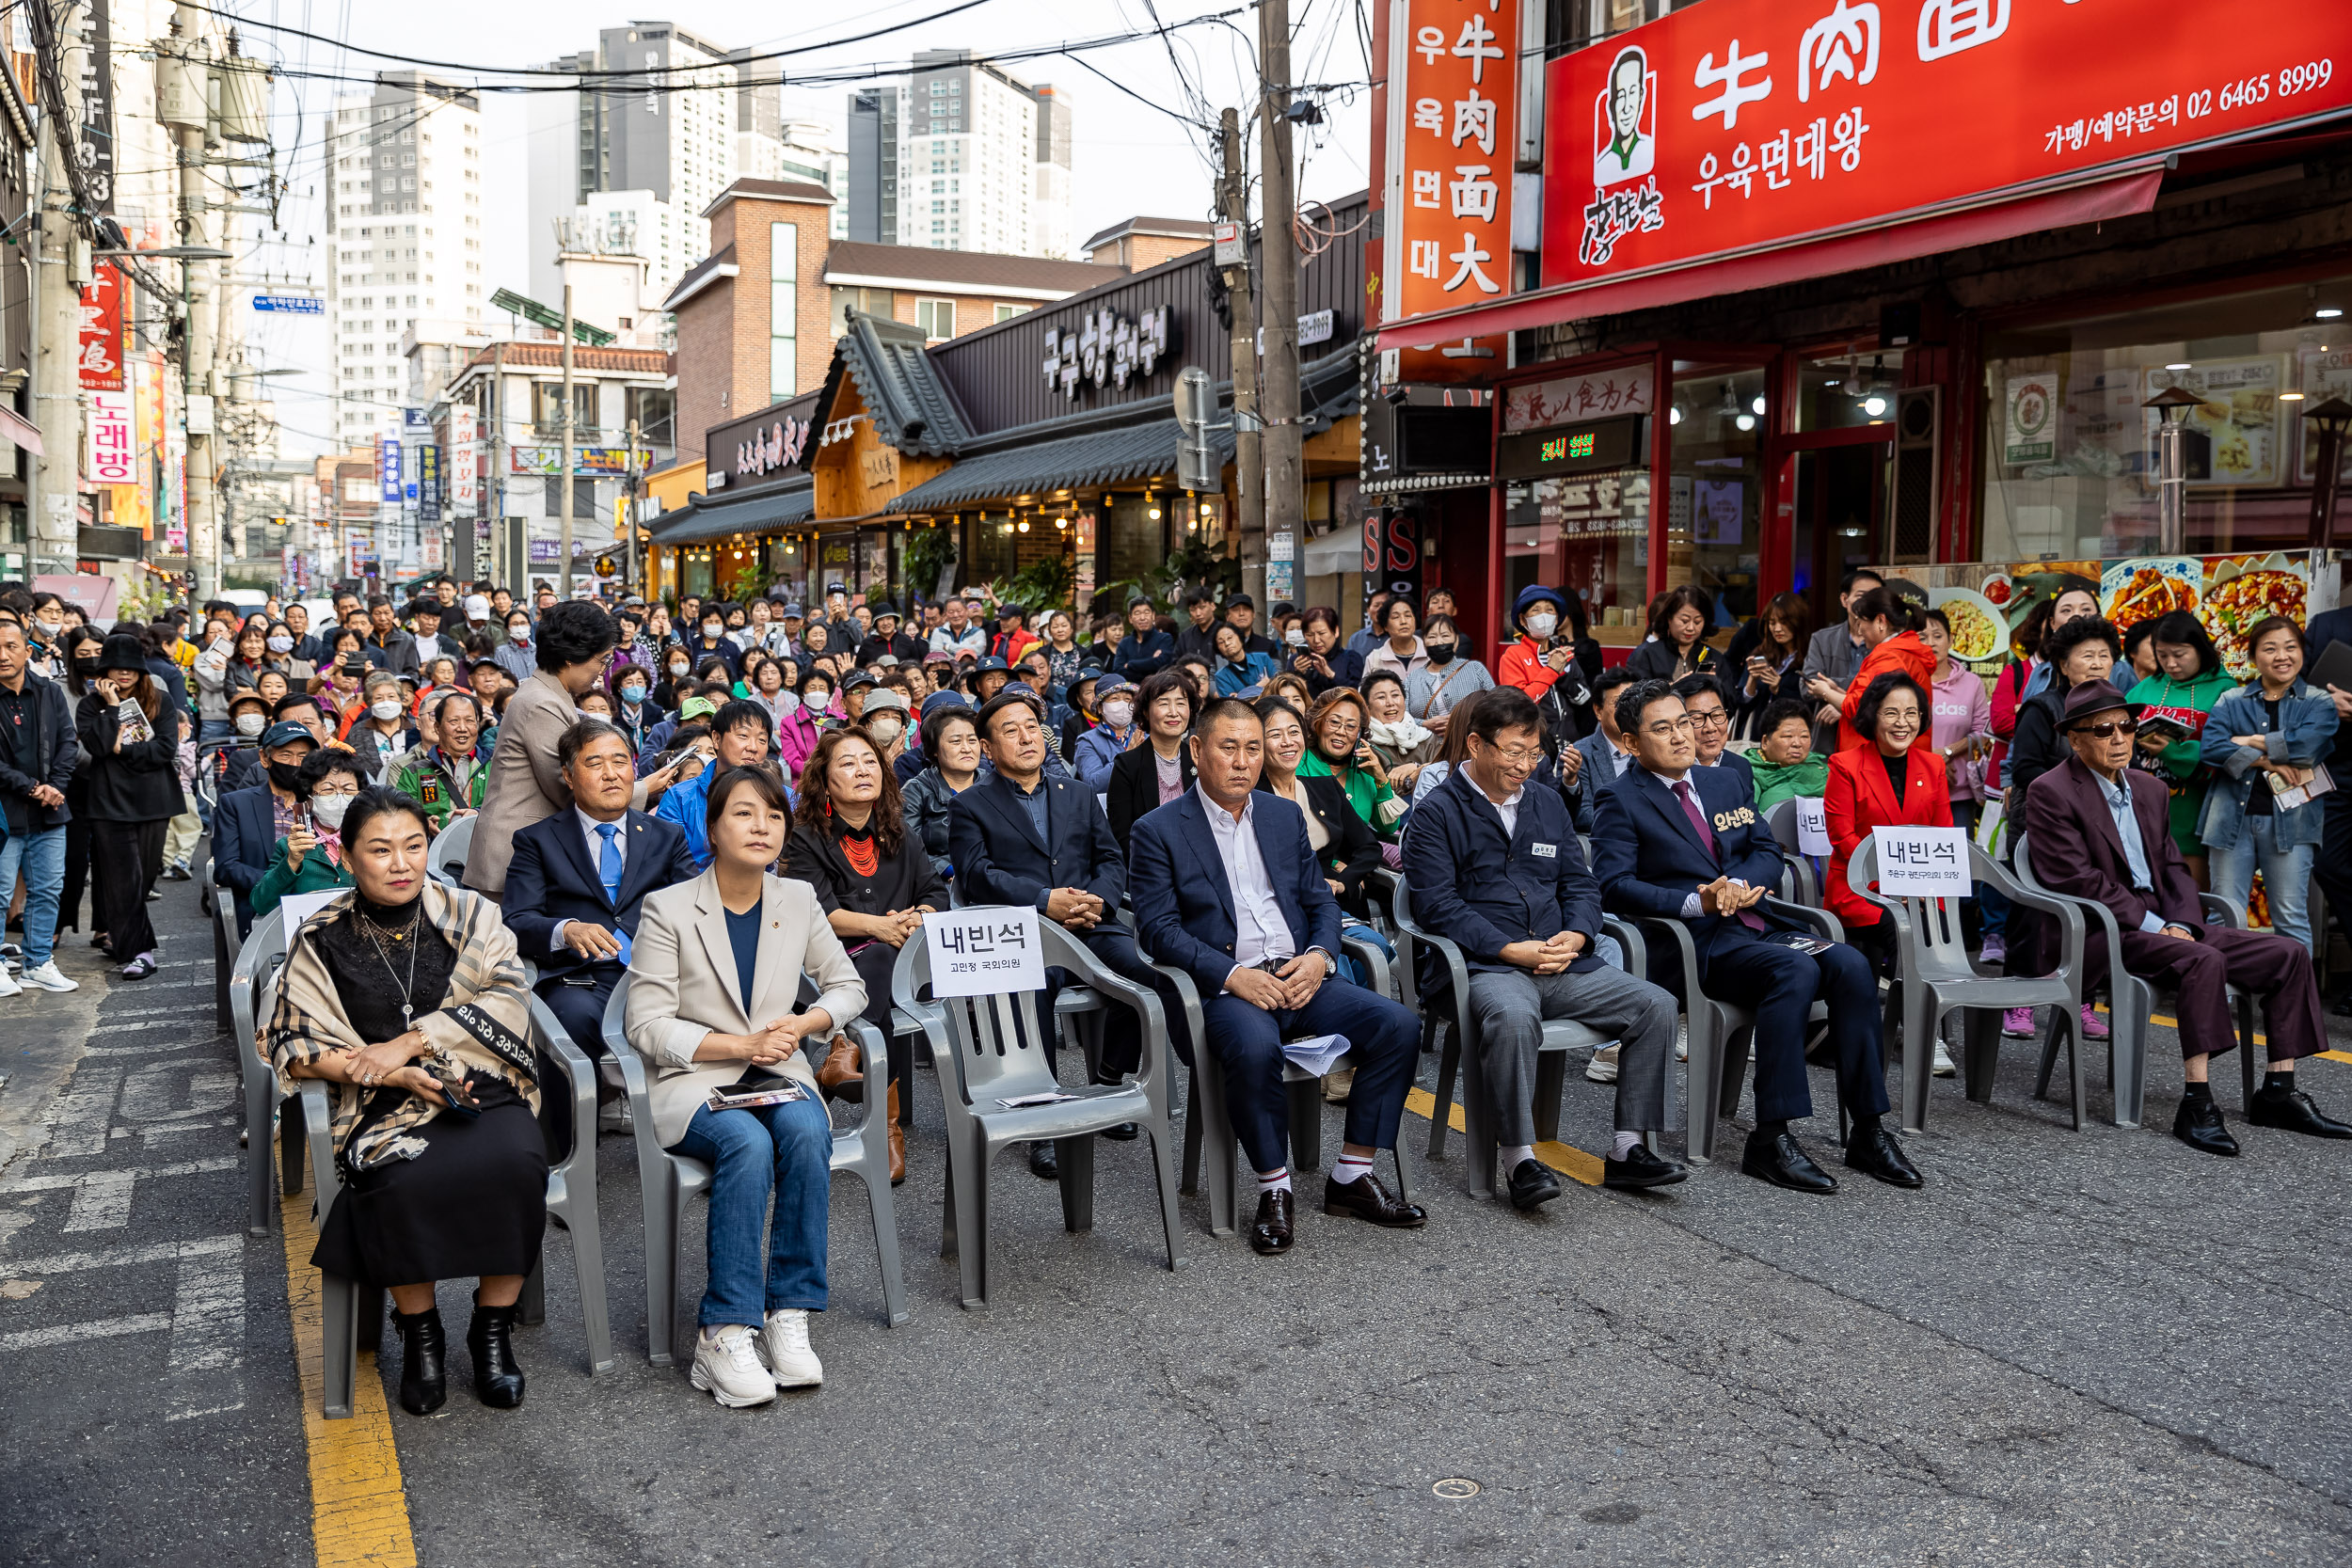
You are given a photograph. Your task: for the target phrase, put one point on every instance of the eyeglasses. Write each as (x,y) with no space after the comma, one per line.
(2106,728)
(1665,727)
(1515,756)
(1714,720)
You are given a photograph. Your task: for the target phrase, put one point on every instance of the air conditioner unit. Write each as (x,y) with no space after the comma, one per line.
(1918,469)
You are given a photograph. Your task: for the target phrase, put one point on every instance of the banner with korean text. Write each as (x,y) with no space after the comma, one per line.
(98,361)
(1446,209)
(1740,125)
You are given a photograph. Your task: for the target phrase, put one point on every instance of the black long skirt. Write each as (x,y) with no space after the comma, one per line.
(474,1203)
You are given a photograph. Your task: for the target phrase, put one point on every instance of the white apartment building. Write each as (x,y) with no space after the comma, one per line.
(951,160)
(811,151)
(403,235)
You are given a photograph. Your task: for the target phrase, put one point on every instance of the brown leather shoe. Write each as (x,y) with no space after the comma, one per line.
(898,1138)
(1365,1198)
(1272,1231)
(843,1075)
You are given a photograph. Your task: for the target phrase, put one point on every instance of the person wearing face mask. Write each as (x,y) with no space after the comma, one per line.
(1432,690)
(519,656)
(43,657)
(1116,701)
(713,642)
(238,765)
(38,754)
(131,734)
(1539,657)
(884,717)
(633,709)
(249,823)
(378,728)
(797,737)
(674,671)
(309,859)
(448,778)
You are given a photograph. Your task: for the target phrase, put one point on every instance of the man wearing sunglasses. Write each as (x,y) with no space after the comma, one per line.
(2099,829)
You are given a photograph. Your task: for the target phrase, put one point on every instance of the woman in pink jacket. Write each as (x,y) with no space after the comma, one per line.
(798,735)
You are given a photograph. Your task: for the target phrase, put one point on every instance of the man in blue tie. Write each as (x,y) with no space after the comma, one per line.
(1674,840)
(578,880)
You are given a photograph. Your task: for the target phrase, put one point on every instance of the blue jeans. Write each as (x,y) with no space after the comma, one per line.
(782,1153)
(2286,876)
(41,857)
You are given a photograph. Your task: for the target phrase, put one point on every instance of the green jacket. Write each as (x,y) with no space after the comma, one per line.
(317,875)
(1374,801)
(2182,763)
(1777,782)
(426,780)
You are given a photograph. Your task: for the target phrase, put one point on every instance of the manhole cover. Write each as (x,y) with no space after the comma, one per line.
(1455,1488)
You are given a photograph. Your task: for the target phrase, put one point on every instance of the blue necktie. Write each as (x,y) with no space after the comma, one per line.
(609,862)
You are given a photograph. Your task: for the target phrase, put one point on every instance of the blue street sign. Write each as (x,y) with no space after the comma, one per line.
(290,305)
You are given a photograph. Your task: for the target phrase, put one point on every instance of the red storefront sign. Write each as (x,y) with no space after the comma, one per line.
(1453,128)
(99,360)
(1742,125)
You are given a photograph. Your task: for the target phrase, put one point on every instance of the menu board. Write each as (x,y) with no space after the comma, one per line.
(2237,415)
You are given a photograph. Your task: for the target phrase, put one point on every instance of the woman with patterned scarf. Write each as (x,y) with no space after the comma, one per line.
(407,998)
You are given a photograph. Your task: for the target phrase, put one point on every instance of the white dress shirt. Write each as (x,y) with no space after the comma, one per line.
(1693,906)
(1508,809)
(1260,932)
(588,825)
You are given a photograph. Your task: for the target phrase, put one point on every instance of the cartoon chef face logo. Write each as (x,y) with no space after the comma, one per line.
(1625,120)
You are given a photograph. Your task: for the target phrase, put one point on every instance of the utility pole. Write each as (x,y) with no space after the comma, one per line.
(1277,309)
(629,515)
(57,338)
(565,591)
(494,491)
(1249,457)
(196,363)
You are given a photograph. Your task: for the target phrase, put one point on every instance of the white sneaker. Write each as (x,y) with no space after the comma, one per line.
(727,1367)
(1944,1066)
(48,976)
(7,984)
(1603,1068)
(784,1345)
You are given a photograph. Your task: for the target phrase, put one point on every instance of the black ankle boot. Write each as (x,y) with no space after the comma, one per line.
(497,1381)
(423,1384)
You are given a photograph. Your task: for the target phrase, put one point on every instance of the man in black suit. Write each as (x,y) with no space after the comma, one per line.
(1677,841)
(1228,888)
(1022,837)
(1709,710)
(578,878)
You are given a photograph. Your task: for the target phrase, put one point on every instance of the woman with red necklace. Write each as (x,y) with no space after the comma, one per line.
(850,843)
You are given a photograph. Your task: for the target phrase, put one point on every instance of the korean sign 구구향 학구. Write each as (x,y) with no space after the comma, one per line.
(1453,128)
(1744,124)
(984,951)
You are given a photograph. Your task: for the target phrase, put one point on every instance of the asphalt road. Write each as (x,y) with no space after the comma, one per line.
(2094,1347)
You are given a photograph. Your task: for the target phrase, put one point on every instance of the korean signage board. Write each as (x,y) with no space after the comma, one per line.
(1593,446)
(1595,395)
(985,951)
(388,469)
(464,463)
(1446,209)
(100,359)
(1741,125)
(545,461)
(94,106)
(113,450)
(429,483)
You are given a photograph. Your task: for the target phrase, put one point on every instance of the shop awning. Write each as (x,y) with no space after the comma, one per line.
(703,519)
(1143,450)
(1899,241)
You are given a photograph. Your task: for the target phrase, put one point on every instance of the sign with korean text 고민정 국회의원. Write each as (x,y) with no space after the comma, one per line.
(1743,125)
(1922,863)
(984,950)
(1452,129)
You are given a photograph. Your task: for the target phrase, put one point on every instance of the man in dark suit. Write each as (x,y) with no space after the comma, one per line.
(2098,827)
(1677,841)
(1227,888)
(2331,868)
(1493,862)
(1021,836)
(578,878)
(1599,758)
(1709,705)
(245,821)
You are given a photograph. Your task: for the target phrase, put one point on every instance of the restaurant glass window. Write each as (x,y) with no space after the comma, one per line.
(989,550)
(694,573)
(1715,484)
(2070,450)
(1573,464)
(788,568)
(1130,541)
(1849,390)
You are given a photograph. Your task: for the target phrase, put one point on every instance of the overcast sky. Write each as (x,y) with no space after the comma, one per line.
(1129,157)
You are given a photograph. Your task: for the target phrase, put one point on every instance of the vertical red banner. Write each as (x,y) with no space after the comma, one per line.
(99,360)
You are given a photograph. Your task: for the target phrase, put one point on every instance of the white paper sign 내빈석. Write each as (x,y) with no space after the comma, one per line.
(1812,826)
(984,950)
(1922,863)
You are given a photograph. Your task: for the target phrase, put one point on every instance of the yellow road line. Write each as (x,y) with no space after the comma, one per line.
(1568,1160)
(2259,1039)
(359,1509)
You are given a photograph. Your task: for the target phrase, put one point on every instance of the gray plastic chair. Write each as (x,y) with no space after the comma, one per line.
(2131,1001)
(987,1049)
(1561,1037)
(1209,1135)
(253,974)
(1720,1031)
(447,862)
(1935,978)
(225,945)
(353,1314)
(1798,885)
(667,1182)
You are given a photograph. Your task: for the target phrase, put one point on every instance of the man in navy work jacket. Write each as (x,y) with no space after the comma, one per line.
(1674,840)
(578,879)
(1021,836)
(1494,866)
(1228,888)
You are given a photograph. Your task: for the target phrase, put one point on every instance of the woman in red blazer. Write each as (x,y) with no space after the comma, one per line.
(1891,625)
(1893,778)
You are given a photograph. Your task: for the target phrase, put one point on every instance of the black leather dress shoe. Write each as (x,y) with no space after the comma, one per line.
(1124,1133)
(1365,1198)
(1640,1169)
(1778,1158)
(1533,1185)
(1044,1164)
(497,1382)
(1873,1151)
(2199,1124)
(2292,1111)
(424,1382)
(1271,1231)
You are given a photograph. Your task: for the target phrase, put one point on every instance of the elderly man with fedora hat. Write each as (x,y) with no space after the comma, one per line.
(2099,829)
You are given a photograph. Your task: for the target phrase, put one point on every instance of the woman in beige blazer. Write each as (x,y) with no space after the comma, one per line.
(715,972)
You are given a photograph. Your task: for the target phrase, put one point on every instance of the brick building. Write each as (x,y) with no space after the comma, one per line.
(1142,244)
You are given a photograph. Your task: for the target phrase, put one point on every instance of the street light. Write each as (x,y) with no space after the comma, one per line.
(173,253)
(2334,418)
(2173,404)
